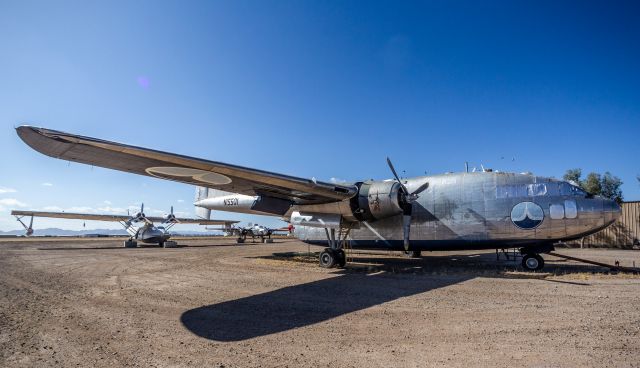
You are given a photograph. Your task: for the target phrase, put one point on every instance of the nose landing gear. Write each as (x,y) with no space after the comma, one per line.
(532,262)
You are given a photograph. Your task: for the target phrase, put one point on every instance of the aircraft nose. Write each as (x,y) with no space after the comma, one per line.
(611,210)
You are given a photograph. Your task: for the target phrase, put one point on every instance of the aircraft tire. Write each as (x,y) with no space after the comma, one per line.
(341,258)
(327,258)
(130,244)
(413,253)
(239,240)
(532,262)
(170,244)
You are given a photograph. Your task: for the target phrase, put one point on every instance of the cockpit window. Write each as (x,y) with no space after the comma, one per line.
(577,191)
(572,190)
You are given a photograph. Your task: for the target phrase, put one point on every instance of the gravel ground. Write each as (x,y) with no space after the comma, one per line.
(213,303)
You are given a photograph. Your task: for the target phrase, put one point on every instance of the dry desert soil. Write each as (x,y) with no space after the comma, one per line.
(92,303)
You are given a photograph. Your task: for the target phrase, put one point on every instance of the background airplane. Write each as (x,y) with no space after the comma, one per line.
(139,226)
(480,210)
(254,231)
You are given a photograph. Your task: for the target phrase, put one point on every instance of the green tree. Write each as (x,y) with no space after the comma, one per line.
(593,184)
(610,187)
(573,175)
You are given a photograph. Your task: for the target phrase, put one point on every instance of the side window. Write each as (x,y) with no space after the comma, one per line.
(536,190)
(570,209)
(556,211)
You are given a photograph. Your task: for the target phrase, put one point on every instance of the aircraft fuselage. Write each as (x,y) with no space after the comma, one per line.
(481,210)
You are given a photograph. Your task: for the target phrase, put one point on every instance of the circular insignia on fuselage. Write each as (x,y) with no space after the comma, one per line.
(527,215)
(176,173)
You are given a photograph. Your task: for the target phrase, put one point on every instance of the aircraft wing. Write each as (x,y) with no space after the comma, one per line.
(71,215)
(195,221)
(185,169)
(115,218)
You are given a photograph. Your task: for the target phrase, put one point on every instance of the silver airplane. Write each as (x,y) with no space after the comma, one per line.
(253,231)
(478,210)
(139,226)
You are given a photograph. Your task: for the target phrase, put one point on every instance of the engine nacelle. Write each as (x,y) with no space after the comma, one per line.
(377,200)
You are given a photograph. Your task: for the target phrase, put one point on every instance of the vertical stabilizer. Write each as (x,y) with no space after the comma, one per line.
(202,193)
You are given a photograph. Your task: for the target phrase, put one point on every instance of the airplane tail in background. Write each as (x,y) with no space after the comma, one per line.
(202,193)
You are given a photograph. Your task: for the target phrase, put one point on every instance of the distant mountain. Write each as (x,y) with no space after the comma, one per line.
(62,232)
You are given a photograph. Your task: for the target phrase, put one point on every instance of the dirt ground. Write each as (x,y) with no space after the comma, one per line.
(213,303)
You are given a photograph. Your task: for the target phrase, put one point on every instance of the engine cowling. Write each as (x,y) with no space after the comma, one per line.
(377,200)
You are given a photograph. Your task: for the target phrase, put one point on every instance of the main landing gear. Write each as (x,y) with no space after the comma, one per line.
(335,256)
(330,258)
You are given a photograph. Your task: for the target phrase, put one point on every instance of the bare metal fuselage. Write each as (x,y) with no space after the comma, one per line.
(482,211)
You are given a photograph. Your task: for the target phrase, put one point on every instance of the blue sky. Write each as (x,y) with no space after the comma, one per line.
(315,89)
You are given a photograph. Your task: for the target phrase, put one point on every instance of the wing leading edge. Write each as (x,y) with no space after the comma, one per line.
(184,169)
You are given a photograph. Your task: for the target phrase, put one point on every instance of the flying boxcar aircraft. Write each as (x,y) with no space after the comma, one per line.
(139,226)
(478,210)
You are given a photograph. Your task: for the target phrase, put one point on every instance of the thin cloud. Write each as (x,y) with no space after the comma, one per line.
(180,200)
(7,190)
(47,184)
(10,203)
(108,203)
(109,209)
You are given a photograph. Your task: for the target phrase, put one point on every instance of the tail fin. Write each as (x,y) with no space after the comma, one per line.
(202,193)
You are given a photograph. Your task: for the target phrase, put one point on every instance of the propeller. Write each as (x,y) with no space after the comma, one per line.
(140,216)
(406,203)
(170,217)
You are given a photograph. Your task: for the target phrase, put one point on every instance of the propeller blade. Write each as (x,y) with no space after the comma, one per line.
(172,210)
(406,228)
(142,208)
(419,190)
(393,170)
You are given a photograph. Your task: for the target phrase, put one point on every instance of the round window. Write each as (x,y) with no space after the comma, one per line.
(527,215)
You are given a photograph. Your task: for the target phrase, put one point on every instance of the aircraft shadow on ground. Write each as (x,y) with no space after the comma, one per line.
(303,305)
(353,290)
